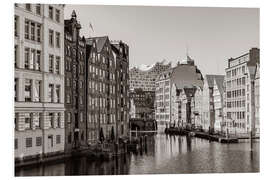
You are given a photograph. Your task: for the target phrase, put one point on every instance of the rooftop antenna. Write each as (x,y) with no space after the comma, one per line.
(91,27)
(187,49)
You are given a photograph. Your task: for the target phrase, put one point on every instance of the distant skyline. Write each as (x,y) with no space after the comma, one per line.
(211,35)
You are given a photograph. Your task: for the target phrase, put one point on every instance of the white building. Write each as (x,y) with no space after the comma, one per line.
(218,98)
(39,80)
(257,98)
(184,77)
(240,108)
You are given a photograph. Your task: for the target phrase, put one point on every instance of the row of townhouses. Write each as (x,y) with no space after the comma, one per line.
(215,103)
(69,91)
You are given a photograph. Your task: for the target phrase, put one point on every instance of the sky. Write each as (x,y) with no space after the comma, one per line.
(210,36)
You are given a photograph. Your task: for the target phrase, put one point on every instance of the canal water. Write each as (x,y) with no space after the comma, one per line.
(164,155)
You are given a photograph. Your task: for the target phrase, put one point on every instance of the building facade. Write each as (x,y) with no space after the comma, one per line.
(121,55)
(185,76)
(75,85)
(257,99)
(102,95)
(39,80)
(176,106)
(145,77)
(142,104)
(218,98)
(163,99)
(198,105)
(239,92)
(212,95)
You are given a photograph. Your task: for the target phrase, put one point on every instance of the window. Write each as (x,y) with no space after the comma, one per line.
(28,7)
(16,89)
(26,29)
(57,15)
(32,31)
(68,82)
(81,116)
(51,63)
(38,32)
(58,139)
(50,120)
(50,12)
(38,141)
(28,142)
(15,55)
(27,120)
(57,39)
(38,9)
(57,91)
(16,143)
(37,120)
(37,89)
(16,26)
(58,120)
(50,93)
(51,37)
(27,90)
(57,65)
(26,58)
(69,138)
(38,58)
(81,100)
(68,99)
(69,117)
(32,59)
(16,118)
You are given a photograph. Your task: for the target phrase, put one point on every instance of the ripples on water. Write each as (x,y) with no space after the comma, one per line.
(164,155)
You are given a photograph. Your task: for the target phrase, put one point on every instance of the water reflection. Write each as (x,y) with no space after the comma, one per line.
(163,154)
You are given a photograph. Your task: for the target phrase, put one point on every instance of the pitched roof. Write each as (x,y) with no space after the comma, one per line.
(210,79)
(100,41)
(219,82)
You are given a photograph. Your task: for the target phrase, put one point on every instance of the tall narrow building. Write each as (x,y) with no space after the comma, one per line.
(75,85)
(240,75)
(121,53)
(101,92)
(39,80)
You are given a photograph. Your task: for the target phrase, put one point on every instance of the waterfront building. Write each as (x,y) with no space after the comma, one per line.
(121,54)
(75,85)
(163,99)
(257,99)
(144,77)
(186,76)
(240,106)
(142,104)
(211,96)
(39,80)
(176,106)
(197,106)
(101,82)
(218,98)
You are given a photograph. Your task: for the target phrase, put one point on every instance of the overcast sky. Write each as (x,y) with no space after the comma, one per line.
(212,35)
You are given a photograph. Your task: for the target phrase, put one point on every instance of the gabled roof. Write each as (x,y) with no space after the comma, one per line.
(100,41)
(210,79)
(219,82)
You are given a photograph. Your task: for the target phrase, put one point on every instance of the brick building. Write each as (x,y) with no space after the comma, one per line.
(75,86)
(101,89)
(121,55)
